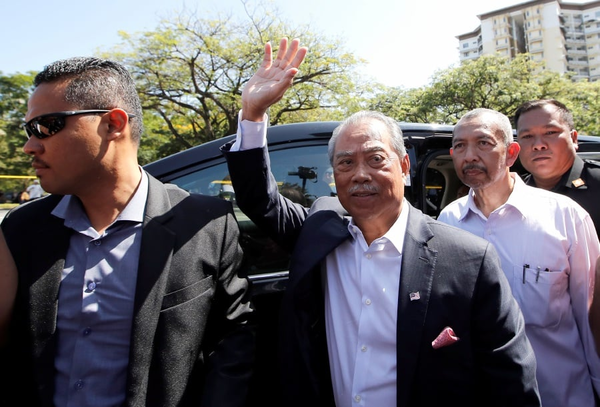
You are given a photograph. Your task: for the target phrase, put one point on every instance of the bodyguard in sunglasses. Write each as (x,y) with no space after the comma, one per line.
(129,290)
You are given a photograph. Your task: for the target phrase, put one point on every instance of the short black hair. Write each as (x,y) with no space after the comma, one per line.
(565,113)
(95,83)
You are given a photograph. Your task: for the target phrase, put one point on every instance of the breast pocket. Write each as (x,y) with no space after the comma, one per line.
(543,297)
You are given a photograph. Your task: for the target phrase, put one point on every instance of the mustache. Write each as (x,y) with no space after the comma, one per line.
(37,161)
(362,188)
(468,167)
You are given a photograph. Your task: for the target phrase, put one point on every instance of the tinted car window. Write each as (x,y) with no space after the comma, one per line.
(300,173)
(301,176)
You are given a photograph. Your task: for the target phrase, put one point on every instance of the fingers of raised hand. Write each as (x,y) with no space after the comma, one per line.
(289,57)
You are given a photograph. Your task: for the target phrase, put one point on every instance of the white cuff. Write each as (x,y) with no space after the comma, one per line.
(254,134)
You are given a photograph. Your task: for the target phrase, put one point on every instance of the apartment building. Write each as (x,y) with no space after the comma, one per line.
(566,36)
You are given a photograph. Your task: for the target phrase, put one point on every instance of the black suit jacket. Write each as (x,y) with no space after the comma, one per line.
(460,284)
(190,340)
(581,183)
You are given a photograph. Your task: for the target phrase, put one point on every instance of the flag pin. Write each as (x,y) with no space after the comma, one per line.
(415,296)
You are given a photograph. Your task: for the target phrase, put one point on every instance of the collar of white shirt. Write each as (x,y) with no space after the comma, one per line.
(395,235)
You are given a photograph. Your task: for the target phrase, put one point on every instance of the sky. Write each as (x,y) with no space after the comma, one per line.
(403,42)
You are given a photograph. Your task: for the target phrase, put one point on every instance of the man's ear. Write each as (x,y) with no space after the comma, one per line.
(512,152)
(405,164)
(451,152)
(117,123)
(574,139)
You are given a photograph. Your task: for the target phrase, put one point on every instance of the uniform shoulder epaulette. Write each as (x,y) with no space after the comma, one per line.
(592,162)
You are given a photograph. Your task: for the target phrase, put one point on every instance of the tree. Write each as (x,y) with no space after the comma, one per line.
(14,93)
(190,72)
(584,102)
(491,81)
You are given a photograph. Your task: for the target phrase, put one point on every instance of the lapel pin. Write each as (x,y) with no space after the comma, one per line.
(578,182)
(415,296)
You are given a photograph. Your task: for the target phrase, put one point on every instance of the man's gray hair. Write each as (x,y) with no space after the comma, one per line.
(500,120)
(364,116)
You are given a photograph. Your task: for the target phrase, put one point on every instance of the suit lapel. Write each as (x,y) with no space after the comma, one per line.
(44,283)
(155,257)
(418,264)
(322,232)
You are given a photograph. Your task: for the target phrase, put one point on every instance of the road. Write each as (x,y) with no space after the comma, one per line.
(2,213)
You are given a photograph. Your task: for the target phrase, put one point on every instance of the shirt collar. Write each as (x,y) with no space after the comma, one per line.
(517,199)
(572,178)
(71,210)
(395,235)
(467,204)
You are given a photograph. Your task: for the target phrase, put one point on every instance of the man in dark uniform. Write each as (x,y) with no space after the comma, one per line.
(548,141)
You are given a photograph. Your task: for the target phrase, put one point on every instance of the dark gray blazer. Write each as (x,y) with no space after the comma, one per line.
(460,283)
(190,342)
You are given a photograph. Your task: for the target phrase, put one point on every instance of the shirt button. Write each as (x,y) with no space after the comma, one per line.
(79,385)
(97,242)
(87,331)
(363,348)
(357,398)
(369,256)
(368,301)
(91,286)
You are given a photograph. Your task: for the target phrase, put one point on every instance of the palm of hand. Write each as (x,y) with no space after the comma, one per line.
(268,85)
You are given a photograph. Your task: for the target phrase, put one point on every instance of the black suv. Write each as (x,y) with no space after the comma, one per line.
(300,164)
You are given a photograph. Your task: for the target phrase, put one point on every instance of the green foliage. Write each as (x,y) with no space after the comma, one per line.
(14,93)
(493,82)
(583,99)
(190,73)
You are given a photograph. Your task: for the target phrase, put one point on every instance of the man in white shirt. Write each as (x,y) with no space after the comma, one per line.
(35,190)
(548,247)
(385,307)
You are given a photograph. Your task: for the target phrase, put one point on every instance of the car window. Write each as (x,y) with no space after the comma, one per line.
(302,174)
(437,182)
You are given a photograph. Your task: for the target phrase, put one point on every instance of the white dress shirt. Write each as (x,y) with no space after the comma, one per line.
(361,316)
(548,247)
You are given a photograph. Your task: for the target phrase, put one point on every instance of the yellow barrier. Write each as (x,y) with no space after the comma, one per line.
(19,176)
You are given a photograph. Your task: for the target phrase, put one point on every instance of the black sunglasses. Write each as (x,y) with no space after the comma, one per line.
(49,124)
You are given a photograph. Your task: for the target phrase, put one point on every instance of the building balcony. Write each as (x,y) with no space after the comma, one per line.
(574,30)
(574,51)
(592,30)
(575,63)
(470,48)
(469,57)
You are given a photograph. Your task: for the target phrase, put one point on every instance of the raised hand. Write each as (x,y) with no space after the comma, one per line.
(268,85)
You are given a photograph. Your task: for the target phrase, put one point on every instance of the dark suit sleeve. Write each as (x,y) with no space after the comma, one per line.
(594,316)
(230,331)
(258,197)
(502,351)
